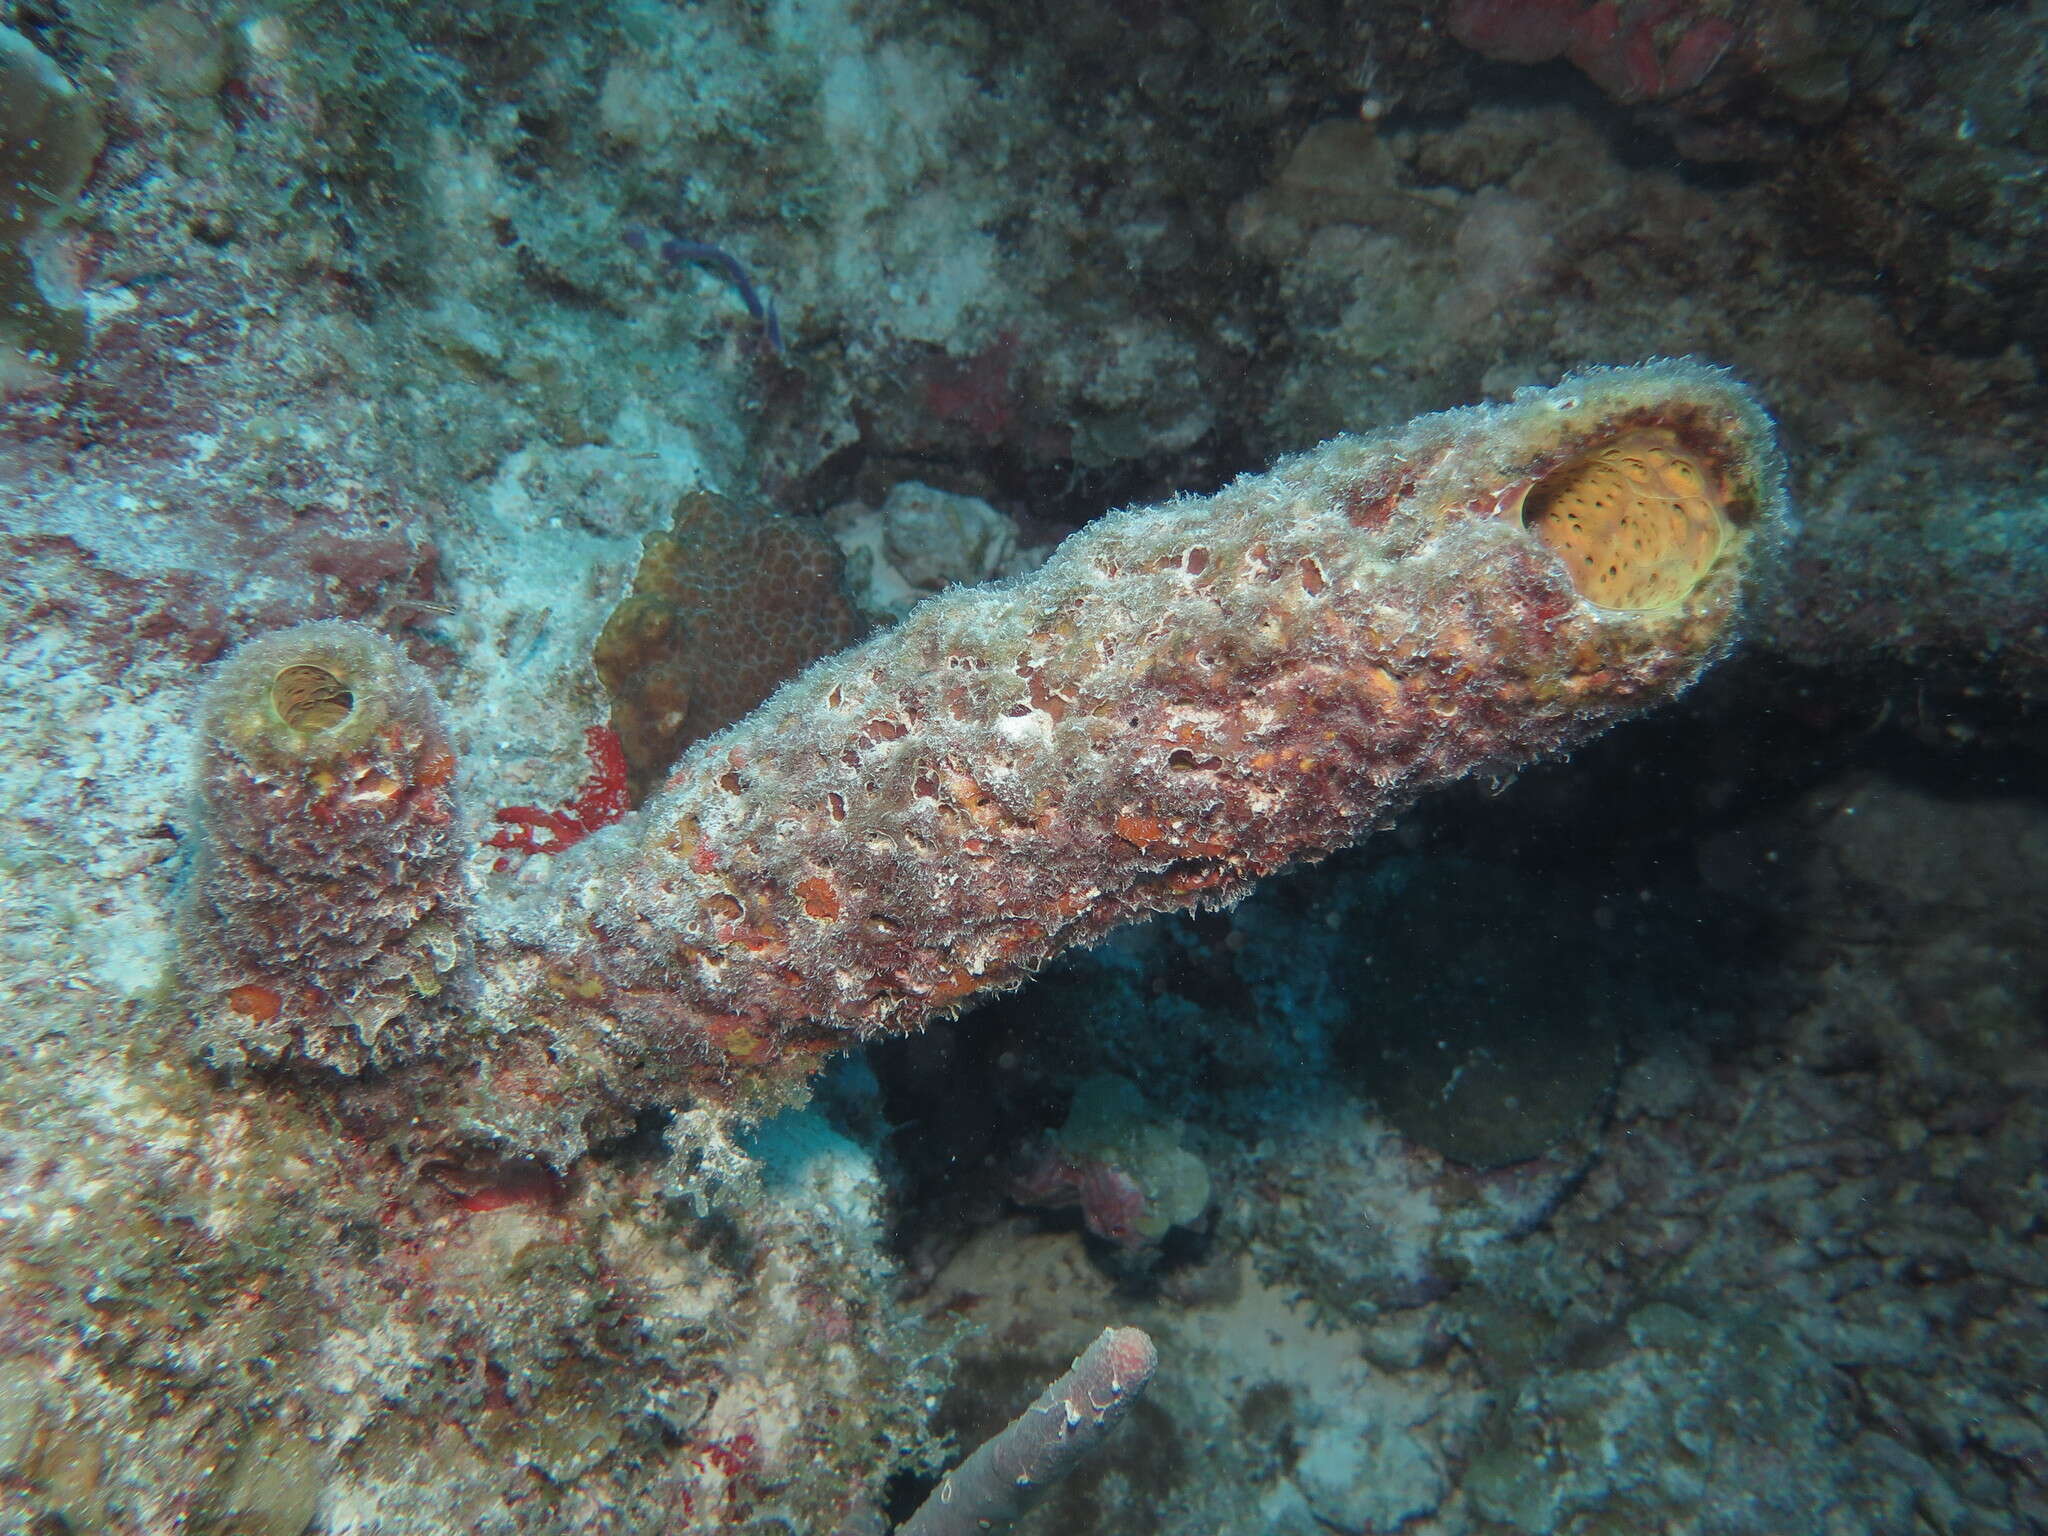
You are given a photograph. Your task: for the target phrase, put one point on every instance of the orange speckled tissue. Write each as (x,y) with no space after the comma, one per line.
(1184,699)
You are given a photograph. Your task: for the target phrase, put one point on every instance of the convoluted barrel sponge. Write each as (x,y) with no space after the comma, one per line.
(325,917)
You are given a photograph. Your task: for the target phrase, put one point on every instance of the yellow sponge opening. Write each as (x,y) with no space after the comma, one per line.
(310,698)
(1638,522)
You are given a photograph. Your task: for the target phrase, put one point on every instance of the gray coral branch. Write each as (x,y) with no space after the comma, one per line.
(999,1483)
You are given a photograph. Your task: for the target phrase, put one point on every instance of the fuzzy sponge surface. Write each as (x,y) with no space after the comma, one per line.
(1184,699)
(324,919)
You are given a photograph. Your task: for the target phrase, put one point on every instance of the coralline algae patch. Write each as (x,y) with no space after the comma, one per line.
(92,775)
(1125,1167)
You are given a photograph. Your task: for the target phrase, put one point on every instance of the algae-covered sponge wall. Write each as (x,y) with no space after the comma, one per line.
(1185,698)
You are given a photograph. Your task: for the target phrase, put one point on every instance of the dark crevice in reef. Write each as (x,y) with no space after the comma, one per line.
(642,1146)
(1662,863)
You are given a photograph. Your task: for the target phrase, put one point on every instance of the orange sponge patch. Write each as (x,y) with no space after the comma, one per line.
(1638,523)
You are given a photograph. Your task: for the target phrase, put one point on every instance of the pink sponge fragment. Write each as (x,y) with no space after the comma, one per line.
(1634,50)
(1008,1475)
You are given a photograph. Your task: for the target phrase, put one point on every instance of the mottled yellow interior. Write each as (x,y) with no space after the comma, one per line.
(1638,522)
(310,698)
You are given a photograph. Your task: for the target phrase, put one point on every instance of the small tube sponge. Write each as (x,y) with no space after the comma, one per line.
(1184,699)
(325,917)
(1010,1473)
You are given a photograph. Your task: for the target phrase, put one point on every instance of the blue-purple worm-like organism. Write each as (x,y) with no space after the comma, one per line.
(675,250)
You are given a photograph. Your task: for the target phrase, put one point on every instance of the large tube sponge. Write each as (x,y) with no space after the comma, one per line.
(325,917)
(1184,699)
